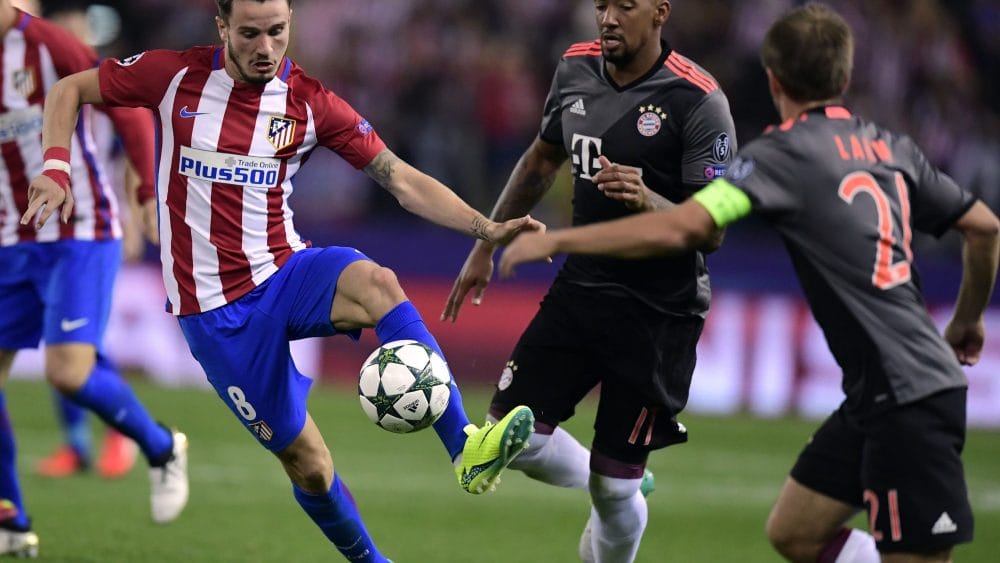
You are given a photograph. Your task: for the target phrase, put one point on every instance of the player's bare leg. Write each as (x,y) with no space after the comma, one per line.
(324,496)
(67,365)
(804,522)
(307,461)
(366,292)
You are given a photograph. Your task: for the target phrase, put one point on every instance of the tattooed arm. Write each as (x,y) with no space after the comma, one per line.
(529,181)
(426,197)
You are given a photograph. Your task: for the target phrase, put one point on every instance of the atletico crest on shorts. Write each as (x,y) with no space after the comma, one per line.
(260,428)
(280,132)
(23,81)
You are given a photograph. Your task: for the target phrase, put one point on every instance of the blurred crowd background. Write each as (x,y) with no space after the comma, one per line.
(456,86)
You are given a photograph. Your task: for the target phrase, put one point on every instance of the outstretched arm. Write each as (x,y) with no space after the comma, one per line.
(49,192)
(656,233)
(980,231)
(426,197)
(679,229)
(529,181)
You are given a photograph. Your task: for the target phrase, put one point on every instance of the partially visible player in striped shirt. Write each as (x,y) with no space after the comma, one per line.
(235,123)
(118,453)
(56,281)
(845,195)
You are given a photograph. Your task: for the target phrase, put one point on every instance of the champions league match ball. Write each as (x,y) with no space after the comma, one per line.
(404,386)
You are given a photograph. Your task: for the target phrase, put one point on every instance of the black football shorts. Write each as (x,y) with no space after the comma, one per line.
(904,466)
(642,358)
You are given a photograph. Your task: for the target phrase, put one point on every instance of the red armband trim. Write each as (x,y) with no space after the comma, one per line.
(56,166)
(57,153)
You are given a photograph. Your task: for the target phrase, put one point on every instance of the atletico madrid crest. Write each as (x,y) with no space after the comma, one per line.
(23,81)
(280,132)
(261,429)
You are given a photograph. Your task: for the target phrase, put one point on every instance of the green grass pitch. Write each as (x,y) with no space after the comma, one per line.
(712,496)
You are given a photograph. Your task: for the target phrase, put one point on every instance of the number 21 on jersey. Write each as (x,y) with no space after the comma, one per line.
(886,274)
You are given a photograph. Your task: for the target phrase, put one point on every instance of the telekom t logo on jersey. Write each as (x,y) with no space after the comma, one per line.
(585,152)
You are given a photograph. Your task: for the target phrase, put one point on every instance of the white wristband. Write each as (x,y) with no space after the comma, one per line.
(54,164)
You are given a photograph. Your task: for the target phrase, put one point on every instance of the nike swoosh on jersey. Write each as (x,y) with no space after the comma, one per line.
(68,325)
(185,113)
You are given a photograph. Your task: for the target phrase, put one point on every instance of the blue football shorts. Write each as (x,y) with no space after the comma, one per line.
(243,346)
(59,292)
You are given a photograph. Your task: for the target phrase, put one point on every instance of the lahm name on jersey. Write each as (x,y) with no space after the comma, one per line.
(252,171)
(863,148)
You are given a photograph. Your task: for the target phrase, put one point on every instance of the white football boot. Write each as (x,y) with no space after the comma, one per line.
(169,484)
(23,545)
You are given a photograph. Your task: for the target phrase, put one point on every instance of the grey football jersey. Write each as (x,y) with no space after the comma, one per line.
(674,124)
(845,195)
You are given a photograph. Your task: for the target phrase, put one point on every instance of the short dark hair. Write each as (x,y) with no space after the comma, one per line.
(810,50)
(226,7)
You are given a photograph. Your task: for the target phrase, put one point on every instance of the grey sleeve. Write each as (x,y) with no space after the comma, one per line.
(551,129)
(771,192)
(936,201)
(709,141)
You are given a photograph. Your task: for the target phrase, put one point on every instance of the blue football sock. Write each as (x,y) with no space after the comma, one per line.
(74,425)
(404,323)
(111,398)
(10,488)
(336,514)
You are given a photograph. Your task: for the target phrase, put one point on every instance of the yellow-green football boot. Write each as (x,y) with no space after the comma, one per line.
(490,448)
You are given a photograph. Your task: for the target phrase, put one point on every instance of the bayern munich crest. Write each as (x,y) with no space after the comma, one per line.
(650,120)
(280,132)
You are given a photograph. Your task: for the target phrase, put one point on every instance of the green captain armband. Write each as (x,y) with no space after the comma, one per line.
(725,202)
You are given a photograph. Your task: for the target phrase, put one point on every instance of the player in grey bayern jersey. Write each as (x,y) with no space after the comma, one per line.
(859,283)
(845,195)
(644,128)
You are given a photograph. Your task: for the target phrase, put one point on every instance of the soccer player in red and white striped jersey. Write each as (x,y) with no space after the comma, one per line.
(118,453)
(236,122)
(57,280)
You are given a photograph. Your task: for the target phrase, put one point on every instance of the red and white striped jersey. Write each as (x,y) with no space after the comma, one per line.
(228,152)
(34,54)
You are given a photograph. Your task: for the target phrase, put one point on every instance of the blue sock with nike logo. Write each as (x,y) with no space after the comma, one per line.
(404,323)
(111,398)
(337,516)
